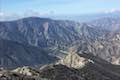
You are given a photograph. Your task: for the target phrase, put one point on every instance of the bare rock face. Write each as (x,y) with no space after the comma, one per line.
(8,75)
(73,60)
(28,71)
(23,73)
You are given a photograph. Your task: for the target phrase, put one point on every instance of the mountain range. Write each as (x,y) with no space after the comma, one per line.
(49,44)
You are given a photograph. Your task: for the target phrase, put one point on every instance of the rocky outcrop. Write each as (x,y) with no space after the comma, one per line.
(8,75)
(73,60)
(26,70)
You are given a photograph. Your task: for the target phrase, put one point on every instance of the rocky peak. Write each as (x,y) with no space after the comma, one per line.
(74,60)
(28,71)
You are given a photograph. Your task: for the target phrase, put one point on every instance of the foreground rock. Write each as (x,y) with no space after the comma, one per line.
(28,71)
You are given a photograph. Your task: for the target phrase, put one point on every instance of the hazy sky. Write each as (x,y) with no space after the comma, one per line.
(56,7)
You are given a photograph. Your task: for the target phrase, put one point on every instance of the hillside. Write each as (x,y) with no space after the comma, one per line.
(14,54)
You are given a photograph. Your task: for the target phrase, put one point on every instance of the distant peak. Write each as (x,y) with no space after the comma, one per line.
(35,18)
